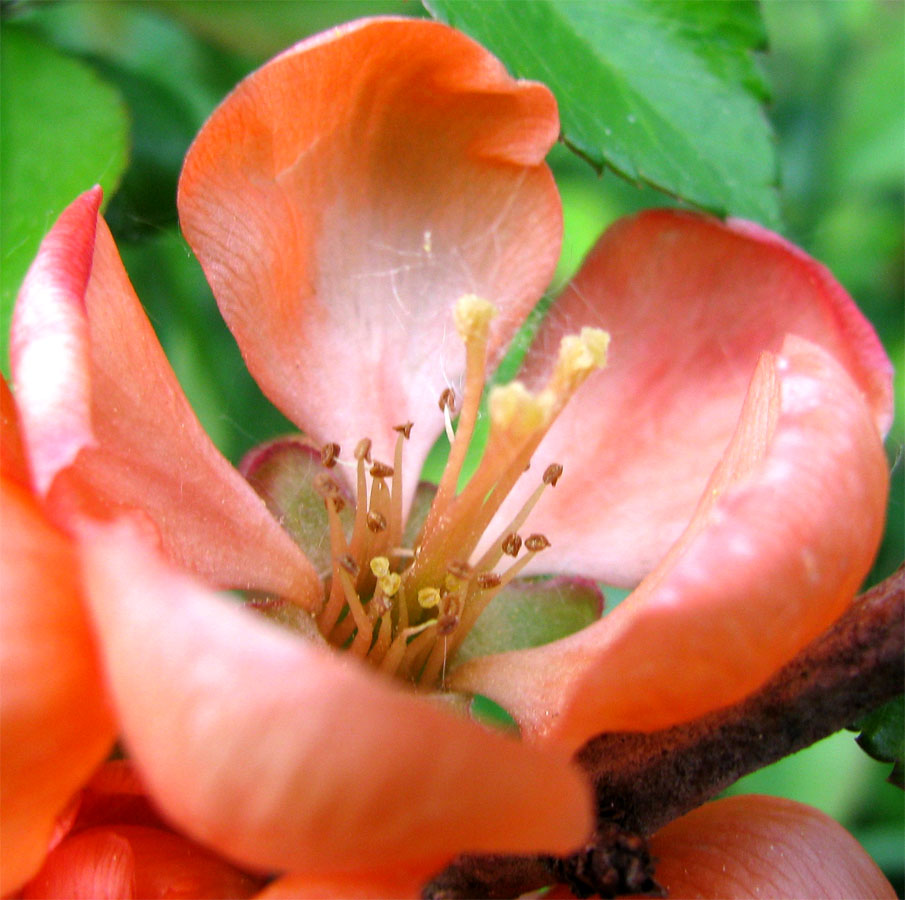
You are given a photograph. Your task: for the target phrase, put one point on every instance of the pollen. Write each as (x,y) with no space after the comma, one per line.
(472,316)
(406,606)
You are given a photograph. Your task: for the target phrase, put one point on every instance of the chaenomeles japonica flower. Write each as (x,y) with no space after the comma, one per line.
(702,410)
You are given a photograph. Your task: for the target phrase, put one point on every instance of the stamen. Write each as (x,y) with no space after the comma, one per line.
(405,429)
(380,566)
(536,542)
(428,597)
(552,474)
(376,522)
(511,544)
(329,453)
(363,449)
(487,580)
(447,400)
(380,470)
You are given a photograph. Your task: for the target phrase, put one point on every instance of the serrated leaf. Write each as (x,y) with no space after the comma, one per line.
(883,736)
(63,131)
(662,92)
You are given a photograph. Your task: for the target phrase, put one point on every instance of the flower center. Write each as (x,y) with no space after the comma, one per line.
(408,609)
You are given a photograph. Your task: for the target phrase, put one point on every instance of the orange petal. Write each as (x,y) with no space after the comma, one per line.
(786,531)
(56,726)
(12,455)
(760,847)
(107,426)
(399,884)
(345,195)
(284,755)
(131,861)
(691,303)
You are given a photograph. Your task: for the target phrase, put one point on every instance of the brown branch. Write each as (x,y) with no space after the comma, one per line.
(643,781)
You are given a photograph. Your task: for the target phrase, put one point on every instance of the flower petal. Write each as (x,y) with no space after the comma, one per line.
(56,726)
(13,464)
(107,426)
(690,303)
(342,199)
(756,847)
(782,538)
(401,885)
(133,861)
(284,755)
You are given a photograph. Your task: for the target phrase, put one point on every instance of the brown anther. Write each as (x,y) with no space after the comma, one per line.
(376,522)
(381,470)
(338,503)
(446,624)
(363,449)
(459,569)
(536,542)
(329,452)
(512,543)
(325,485)
(552,473)
(488,580)
(405,429)
(447,399)
(349,565)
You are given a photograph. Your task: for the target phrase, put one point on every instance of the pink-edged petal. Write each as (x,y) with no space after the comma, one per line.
(690,303)
(55,725)
(284,755)
(342,199)
(107,427)
(124,861)
(785,532)
(758,847)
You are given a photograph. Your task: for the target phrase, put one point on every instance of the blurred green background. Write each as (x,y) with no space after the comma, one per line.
(838,109)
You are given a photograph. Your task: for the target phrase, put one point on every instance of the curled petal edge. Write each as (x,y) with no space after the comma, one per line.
(785,532)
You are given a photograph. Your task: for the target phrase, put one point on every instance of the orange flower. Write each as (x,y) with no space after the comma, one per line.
(351,203)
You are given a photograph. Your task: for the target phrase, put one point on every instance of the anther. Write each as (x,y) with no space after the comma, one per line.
(381,470)
(488,580)
(536,542)
(428,597)
(390,583)
(512,543)
(363,449)
(405,429)
(349,564)
(328,489)
(376,522)
(329,452)
(379,566)
(447,400)
(552,473)
(459,569)
(446,624)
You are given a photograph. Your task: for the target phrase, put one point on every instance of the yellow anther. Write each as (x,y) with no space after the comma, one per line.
(380,566)
(428,597)
(514,408)
(472,316)
(390,583)
(579,355)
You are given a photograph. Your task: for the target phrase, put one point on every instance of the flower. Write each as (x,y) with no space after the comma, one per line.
(355,203)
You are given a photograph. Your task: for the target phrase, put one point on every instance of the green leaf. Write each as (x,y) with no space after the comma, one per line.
(64,130)
(883,736)
(529,613)
(664,92)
